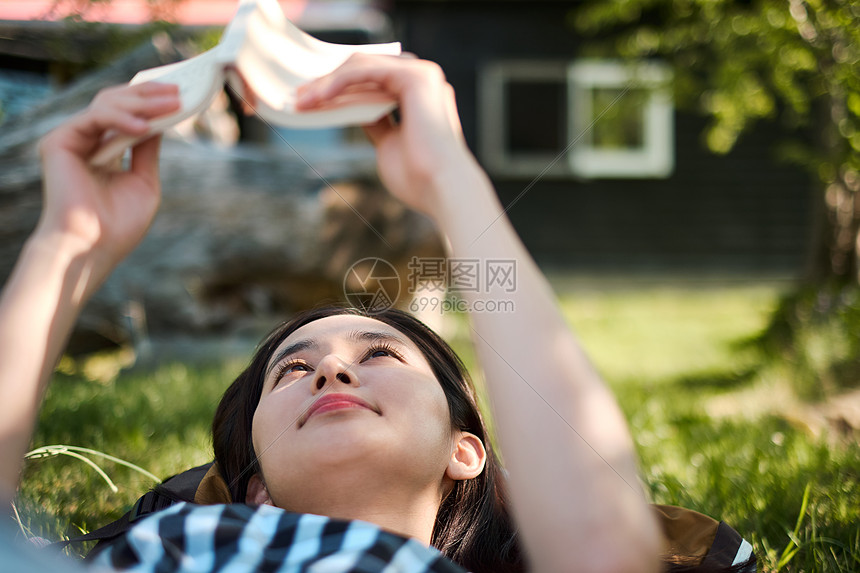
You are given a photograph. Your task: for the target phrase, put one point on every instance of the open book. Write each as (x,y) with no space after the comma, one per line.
(264,58)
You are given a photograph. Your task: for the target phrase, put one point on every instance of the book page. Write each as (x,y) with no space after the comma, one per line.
(237,30)
(276,58)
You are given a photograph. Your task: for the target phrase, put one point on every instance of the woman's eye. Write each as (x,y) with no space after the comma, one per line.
(381,352)
(290,368)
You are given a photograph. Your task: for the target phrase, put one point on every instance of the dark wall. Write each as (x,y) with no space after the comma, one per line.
(740,212)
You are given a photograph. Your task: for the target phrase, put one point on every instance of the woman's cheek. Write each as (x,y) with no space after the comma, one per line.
(271,419)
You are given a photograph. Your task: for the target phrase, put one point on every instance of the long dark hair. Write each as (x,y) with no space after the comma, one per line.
(473,526)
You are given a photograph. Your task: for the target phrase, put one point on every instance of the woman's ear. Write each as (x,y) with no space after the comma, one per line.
(257,493)
(468,458)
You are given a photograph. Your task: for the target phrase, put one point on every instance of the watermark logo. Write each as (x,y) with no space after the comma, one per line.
(462,275)
(371,284)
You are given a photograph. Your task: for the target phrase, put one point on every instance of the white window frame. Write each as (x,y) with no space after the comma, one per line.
(580,158)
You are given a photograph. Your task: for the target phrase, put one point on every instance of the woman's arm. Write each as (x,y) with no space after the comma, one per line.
(90,220)
(573,479)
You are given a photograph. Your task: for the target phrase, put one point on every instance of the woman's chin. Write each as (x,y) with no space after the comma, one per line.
(340,438)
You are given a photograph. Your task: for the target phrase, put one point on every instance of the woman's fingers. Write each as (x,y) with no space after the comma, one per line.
(418,86)
(93,124)
(146,100)
(82,134)
(144,159)
(392,74)
(127,110)
(377,131)
(155,88)
(145,90)
(150,107)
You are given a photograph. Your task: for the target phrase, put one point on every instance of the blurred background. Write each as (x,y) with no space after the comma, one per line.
(628,139)
(685,171)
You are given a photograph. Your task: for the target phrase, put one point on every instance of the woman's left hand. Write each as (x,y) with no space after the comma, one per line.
(428,141)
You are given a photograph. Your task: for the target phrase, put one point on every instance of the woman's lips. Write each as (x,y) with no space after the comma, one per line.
(332,402)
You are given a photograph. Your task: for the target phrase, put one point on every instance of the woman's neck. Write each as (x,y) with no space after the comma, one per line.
(405,512)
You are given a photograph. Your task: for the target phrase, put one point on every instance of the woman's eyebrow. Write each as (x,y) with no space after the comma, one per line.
(291,349)
(376,336)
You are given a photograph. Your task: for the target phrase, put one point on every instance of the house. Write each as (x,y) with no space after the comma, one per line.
(598,171)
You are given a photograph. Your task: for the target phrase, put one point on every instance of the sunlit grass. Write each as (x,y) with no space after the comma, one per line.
(158,420)
(670,354)
(656,334)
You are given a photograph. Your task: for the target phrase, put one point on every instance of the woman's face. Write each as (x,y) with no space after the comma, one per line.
(350,398)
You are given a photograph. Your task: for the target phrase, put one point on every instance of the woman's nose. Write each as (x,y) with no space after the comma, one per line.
(332,368)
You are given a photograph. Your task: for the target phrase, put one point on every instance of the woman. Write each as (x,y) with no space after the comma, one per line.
(384,450)
(404,368)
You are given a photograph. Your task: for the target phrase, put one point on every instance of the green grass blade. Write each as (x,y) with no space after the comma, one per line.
(49,449)
(20,523)
(794,541)
(93,465)
(803,506)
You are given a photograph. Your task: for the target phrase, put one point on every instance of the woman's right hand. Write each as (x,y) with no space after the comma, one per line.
(99,211)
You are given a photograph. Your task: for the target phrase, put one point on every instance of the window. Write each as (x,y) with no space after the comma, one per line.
(588,119)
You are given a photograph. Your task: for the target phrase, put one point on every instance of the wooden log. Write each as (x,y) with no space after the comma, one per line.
(244,234)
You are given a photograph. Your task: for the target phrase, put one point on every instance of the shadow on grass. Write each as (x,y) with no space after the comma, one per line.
(715,379)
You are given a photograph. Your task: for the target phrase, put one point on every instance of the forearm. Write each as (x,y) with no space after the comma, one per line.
(572,467)
(38,308)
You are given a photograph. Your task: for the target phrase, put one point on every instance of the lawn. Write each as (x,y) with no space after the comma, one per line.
(707,412)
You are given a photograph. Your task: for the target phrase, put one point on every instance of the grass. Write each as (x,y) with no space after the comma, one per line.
(704,410)
(158,420)
(674,359)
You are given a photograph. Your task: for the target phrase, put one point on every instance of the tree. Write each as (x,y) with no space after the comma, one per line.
(742,61)
(159,10)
